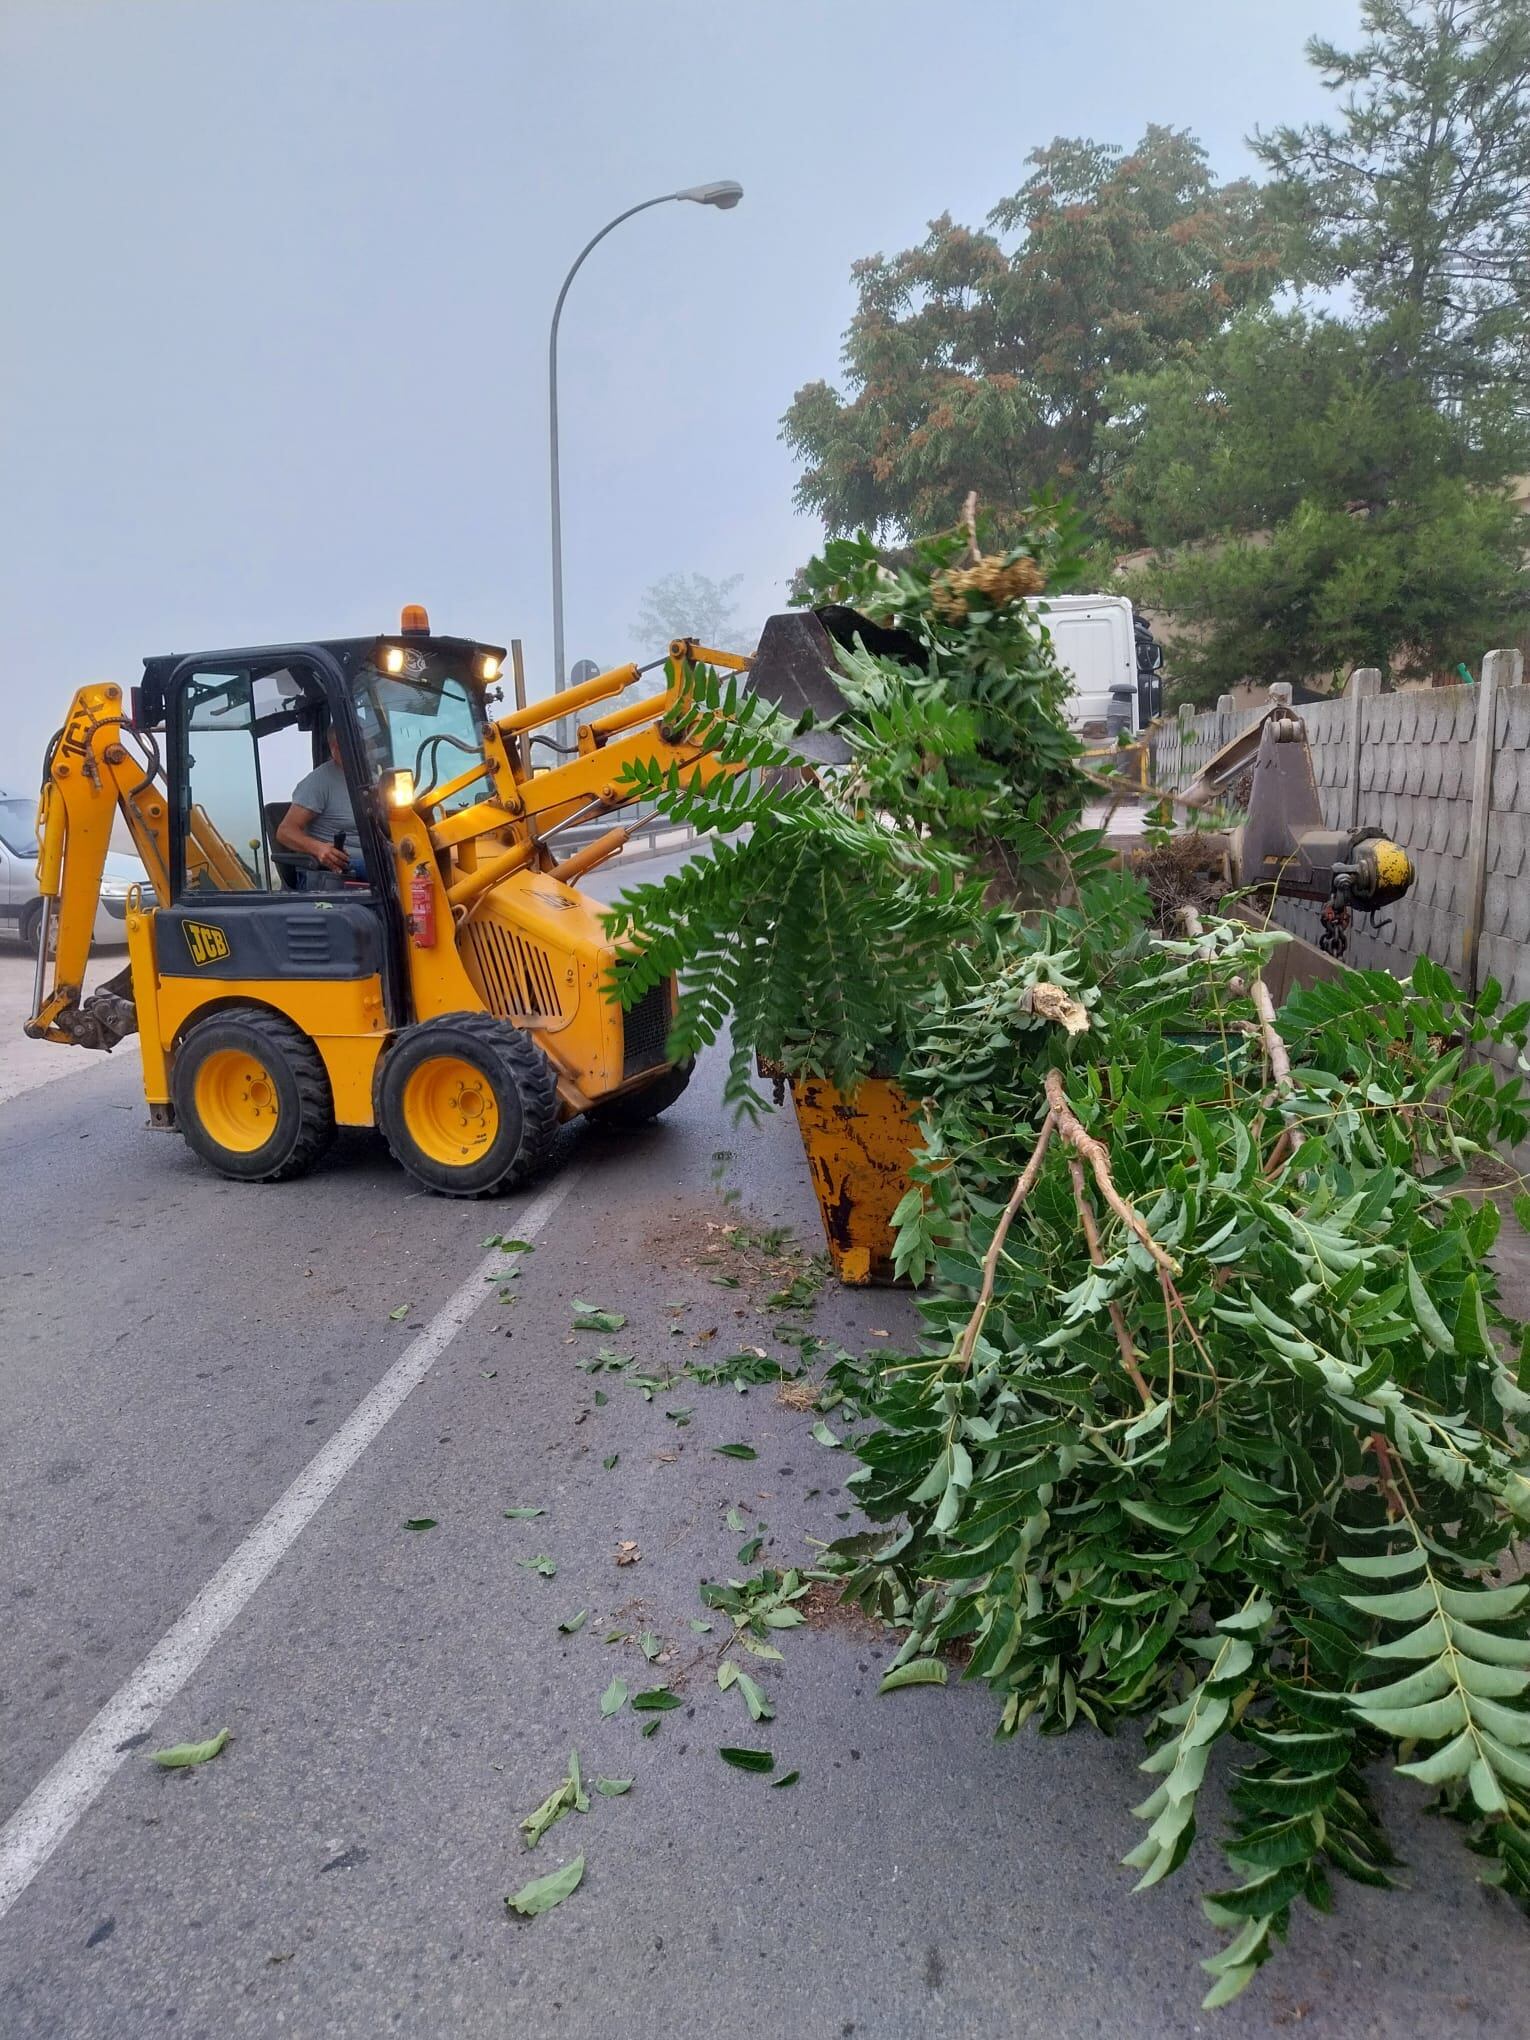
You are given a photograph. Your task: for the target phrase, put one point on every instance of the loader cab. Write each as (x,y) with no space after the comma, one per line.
(241,729)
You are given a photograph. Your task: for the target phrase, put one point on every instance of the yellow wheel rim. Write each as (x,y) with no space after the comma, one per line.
(235,1099)
(450,1112)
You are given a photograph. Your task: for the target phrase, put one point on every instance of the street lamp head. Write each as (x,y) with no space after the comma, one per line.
(724,194)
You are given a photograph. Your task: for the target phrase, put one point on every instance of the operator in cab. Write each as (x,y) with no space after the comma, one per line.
(321,822)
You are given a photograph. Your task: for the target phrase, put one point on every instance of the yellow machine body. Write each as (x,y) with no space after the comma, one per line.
(488,923)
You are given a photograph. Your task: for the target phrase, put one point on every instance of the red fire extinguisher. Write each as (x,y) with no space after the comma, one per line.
(422,909)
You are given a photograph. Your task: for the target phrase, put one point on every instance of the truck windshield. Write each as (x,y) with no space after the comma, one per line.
(18,827)
(426,719)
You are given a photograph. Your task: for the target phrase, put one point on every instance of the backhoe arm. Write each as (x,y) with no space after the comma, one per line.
(91,775)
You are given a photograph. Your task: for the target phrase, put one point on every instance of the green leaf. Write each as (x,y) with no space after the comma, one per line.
(395,1316)
(824,1435)
(701,1628)
(573,1623)
(1391,1565)
(589,1317)
(420,1523)
(614,1697)
(1451,1760)
(184,1755)
(613,1788)
(786,1778)
(650,1645)
(1429,1720)
(610,1460)
(919,1671)
(748,1553)
(1407,1606)
(508,1246)
(543,1893)
(736,1451)
(542,1564)
(657,1700)
(747,1760)
(759,1707)
(522,1515)
(736,1523)
(1430,1323)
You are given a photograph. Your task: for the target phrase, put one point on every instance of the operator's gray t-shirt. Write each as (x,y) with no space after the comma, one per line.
(325,792)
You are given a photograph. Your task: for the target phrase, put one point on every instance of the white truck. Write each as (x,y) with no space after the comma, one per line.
(1112,657)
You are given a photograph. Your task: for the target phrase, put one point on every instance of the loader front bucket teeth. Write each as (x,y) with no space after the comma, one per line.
(795,669)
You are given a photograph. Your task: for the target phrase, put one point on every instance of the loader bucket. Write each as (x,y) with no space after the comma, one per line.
(795,669)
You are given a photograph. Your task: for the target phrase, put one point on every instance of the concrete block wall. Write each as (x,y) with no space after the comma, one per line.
(1415,783)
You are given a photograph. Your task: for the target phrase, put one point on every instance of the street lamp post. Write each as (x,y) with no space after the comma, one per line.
(724,194)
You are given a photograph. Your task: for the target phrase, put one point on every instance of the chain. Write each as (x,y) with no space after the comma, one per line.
(1335,936)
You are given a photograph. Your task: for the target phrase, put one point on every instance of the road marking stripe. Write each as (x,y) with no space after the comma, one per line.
(43,1820)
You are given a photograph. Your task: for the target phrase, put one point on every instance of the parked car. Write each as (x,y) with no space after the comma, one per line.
(20,903)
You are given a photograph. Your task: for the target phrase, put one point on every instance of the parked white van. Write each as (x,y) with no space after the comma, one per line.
(20,905)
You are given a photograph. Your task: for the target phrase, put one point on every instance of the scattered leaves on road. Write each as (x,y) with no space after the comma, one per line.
(509,1246)
(523,1515)
(736,1522)
(736,1451)
(610,1460)
(748,1553)
(613,1788)
(403,1311)
(589,1317)
(567,1796)
(650,1645)
(787,1778)
(824,1435)
(542,1564)
(184,1755)
(543,1893)
(627,1553)
(614,1697)
(575,1622)
(657,1700)
(919,1671)
(747,1760)
(420,1523)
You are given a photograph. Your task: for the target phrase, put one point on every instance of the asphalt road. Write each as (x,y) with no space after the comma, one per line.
(174,1351)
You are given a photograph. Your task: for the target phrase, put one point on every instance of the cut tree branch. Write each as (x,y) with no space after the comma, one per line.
(1017,1197)
(1117,1316)
(1093,1152)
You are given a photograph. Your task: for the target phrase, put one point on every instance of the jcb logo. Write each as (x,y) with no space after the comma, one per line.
(206,943)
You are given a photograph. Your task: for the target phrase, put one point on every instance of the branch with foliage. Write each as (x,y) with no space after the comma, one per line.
(1218,1427)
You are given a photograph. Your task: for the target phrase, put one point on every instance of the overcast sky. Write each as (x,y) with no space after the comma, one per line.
(275,280)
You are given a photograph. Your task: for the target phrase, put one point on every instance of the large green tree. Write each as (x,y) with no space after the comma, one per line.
(1416,200)
(1332,490)
(1314,511)
(991,360)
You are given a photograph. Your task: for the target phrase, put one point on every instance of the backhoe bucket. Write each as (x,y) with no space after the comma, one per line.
(797,670)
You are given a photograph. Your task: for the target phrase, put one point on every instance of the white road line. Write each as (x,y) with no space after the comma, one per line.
(43,1820)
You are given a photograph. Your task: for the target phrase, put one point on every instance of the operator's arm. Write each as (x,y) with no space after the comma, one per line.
(292,833)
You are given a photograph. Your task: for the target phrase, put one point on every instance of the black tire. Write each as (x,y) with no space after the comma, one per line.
(499,1129)
(31,929)
(215,1095)
(640,1108)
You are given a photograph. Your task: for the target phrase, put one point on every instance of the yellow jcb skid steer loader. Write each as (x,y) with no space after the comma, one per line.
(452,989)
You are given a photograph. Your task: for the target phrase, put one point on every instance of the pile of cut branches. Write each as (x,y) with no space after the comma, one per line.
(1219,1427)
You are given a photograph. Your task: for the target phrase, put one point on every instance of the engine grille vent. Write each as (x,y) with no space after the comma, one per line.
(307,938)
(516,975)
(645,1031)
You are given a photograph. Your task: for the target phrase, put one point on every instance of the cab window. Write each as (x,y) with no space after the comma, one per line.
(247,739)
